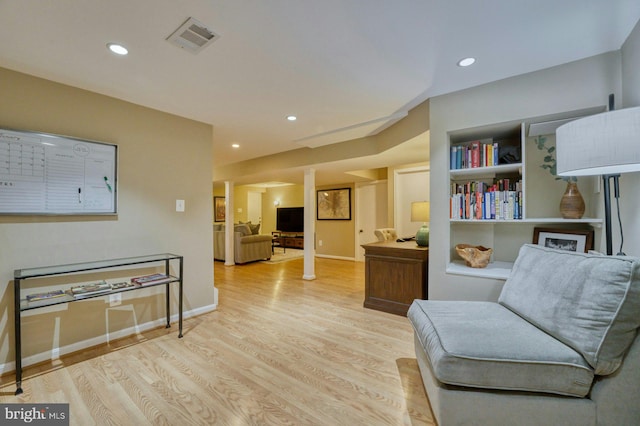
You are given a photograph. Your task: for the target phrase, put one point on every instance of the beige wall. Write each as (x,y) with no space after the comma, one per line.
(337,236)
(241,202)
(162,158)
(569,87)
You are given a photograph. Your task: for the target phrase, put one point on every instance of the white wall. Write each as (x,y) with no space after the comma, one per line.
(630,182)
(569,87)
(411,185)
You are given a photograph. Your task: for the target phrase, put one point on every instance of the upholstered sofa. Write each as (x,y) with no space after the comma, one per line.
(248,244)
(560,347)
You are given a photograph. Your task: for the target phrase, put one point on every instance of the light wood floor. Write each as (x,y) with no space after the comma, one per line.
(278,351)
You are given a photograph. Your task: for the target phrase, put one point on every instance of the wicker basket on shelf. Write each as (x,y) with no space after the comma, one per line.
(474,256)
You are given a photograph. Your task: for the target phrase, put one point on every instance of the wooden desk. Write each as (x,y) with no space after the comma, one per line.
(395,275)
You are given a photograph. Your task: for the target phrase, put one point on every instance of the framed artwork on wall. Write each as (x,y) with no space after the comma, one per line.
(578,240)
(334,204)
(219,207)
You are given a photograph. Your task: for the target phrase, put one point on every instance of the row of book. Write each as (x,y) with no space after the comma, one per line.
(480,201)
(101,287)
(480,153)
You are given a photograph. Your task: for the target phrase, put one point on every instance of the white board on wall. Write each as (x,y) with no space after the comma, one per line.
(43,173)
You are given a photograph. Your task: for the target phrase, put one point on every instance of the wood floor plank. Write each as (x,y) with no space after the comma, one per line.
(279,350)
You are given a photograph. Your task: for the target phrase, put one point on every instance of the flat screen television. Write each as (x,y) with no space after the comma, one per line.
(290,219)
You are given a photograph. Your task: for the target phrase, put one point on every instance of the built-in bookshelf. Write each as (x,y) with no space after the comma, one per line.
(497,193)
(486,175)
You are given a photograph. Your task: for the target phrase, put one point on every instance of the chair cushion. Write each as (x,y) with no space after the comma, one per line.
(386,234)
(485,345)
(589,302)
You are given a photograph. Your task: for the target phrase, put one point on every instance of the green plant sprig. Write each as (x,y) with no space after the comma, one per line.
(550,160)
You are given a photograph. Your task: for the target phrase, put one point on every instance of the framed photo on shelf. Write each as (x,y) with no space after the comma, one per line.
(578,240)
(334,204)
(219,207)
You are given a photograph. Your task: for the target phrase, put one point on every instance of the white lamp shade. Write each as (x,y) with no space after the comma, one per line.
(420,211)
(601,144)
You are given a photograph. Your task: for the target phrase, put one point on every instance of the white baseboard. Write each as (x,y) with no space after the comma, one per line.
(99,340)
(327,256)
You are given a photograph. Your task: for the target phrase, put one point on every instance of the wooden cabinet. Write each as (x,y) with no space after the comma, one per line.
(289,239)
(395,275)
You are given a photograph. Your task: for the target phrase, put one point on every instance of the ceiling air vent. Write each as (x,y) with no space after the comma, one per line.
(192,36)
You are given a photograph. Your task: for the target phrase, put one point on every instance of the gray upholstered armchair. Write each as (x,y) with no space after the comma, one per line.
(561,346)
(248,245)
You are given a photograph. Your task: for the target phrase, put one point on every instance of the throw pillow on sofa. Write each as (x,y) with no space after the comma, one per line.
(243,229)
(255,229)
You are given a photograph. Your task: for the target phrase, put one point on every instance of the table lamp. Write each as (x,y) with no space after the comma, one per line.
(420,213)
(604,144)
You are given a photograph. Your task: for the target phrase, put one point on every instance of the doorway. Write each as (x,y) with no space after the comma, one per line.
(371,213)
(254,207)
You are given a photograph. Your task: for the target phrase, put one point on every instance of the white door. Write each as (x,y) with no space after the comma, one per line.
(254,207)
(371,213)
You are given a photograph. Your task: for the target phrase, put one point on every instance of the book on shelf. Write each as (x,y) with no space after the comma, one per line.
(45,295)
(478,200)
(152,279)
(122,285)
(92,289)
(474,154)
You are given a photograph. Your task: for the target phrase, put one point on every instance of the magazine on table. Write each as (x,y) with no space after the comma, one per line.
(122,285)
(45,295)
(152,279)
(92,289)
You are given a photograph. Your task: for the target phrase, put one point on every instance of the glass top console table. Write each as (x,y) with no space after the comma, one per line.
(56,297)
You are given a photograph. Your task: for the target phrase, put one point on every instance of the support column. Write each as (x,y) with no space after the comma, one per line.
(229,251)
(309,224)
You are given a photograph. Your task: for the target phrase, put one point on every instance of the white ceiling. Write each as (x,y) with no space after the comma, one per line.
(341,66)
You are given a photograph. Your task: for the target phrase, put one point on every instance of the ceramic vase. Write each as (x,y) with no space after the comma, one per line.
(572,203)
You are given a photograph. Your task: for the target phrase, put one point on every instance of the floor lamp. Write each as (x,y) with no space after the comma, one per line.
(606,144)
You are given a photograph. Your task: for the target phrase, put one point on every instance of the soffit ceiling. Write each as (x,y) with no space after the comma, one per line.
(346,68)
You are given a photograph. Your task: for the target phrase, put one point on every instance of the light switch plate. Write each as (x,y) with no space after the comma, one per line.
(179,205)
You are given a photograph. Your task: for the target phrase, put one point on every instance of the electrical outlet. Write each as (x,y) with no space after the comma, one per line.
(115,299)
(320,243)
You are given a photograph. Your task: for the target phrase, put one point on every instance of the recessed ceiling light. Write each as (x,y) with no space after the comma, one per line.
(117,48)
(292,117)
(235,145)
(466,62)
